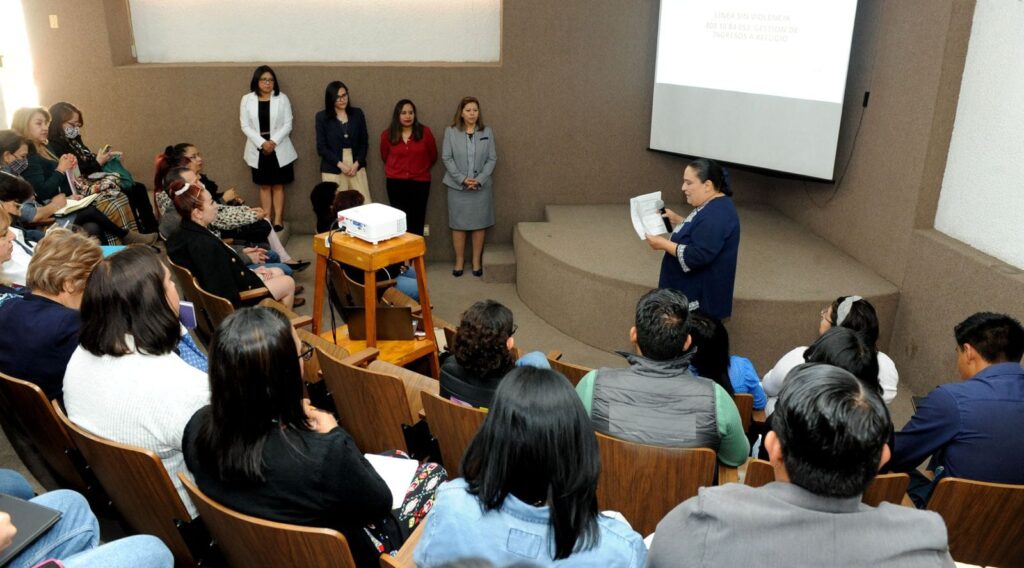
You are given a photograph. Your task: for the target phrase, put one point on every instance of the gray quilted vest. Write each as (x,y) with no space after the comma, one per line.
(656,402)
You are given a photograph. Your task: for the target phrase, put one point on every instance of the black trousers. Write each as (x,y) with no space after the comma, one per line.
(142,207)
(411,197)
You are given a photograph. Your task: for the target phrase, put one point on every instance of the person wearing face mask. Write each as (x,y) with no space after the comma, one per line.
(41,326)
(14,161)
(219,269)
(700,256)
(65,137)
(409,151)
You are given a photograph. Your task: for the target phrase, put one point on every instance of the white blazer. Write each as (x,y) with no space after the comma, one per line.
(280,128)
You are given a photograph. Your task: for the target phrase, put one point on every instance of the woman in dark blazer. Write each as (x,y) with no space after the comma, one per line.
(342,141)
(700,257)
(469,157)
(218,268)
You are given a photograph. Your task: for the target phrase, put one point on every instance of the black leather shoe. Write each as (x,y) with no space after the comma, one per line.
(478,273)
(457,273)
(298,265)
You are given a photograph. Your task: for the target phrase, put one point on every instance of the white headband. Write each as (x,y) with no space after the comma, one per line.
(844,308)
(182,190)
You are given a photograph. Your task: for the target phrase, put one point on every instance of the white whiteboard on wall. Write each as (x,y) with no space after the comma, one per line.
(981,202)
(357,31)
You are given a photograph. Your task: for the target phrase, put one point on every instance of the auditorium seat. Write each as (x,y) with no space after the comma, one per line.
(985,520)
(190,289)
(454,426)
(404,557)
(888,487)
(745,406)
(250,541)
(572,372)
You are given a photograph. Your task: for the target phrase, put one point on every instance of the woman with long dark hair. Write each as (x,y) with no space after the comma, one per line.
(342,141)
(712,360)
(262,449)
(530,472)
(409,151)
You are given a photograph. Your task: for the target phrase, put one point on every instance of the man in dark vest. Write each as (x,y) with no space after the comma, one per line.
(657,399)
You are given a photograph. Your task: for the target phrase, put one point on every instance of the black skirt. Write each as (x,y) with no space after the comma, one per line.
(268,172)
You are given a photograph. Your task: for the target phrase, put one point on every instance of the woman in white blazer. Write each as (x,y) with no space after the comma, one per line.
(266,116)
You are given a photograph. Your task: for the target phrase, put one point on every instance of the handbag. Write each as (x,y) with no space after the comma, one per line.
(114,166)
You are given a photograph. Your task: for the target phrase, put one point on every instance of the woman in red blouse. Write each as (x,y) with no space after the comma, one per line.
(409,151)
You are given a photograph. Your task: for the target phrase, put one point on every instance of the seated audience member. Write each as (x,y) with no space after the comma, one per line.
(65,137)
(322,198)
(826,445)
(19,200)
(529,492)
(260,447)
(851,312)
(75,538)
(971,429)
(256,252)
(657,400)
(124,382)
(404,276)
(15,253)
(712,360)
(41,326)
(484,352)
(218,268)
(849,350)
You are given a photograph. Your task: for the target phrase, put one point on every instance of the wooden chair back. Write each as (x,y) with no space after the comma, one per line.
(250,541)
(454,426)
(311,369)
(189,286)
(372,406)
(343,296)
(572,372)
(27,403)
(217,308)
(745,406)
(759,472)
(645,482)
(985,520)
(449,335)
(139,487)
(891,487)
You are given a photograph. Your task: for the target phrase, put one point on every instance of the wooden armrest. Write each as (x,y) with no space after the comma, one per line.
(385,283)
(554,355)
(297,320)
(362,358)
(253,295)
(404,557)
(394,297)
(728,474)
(758,416)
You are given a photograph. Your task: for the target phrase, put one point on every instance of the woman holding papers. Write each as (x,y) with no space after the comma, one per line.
(262,449)
(700,256)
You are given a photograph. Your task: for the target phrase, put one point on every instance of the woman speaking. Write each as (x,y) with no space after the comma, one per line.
(700,257)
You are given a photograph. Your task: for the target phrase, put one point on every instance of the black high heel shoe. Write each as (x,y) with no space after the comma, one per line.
(457,273)
(478,273)
(298,265)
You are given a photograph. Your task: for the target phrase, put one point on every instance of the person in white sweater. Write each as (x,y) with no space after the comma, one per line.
(852,312)
(124,381)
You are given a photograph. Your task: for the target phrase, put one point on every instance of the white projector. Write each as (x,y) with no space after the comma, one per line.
(373,222)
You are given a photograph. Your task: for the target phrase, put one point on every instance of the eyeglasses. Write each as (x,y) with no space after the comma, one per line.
(344,96)
(307,351)
(266,80)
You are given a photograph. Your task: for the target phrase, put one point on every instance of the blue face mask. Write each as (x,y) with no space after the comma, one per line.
(72,131)
(17,166)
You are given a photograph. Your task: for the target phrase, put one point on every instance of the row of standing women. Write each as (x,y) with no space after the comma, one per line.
(407,147)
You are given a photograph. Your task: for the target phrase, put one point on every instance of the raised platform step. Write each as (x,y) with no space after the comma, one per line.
(499,264)
(584,269)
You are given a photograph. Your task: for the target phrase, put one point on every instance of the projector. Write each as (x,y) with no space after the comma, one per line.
(373,222)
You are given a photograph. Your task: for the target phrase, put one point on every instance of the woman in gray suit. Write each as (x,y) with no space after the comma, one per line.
(469,157)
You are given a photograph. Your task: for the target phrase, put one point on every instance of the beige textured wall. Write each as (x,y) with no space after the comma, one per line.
(570,105)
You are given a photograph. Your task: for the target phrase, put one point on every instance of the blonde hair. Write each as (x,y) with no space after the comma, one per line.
(19,123)
(62,256)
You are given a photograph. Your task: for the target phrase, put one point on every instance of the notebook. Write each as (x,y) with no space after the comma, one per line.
(397,473)
(30,519)
(392,322)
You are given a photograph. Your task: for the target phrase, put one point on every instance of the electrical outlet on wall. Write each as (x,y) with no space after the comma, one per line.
(426,230)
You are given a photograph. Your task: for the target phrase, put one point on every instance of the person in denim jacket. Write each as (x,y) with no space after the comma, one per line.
(529,491)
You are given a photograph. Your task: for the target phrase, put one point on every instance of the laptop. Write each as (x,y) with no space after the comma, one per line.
(392,323)
(30,519)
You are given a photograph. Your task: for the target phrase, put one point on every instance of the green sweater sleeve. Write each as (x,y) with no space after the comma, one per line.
(585,388)
(734,448)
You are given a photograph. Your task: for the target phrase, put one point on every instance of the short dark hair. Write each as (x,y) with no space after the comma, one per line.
(849,350)
(255,390)
(11,140)
(711,349)
(831,429)
(862,318)
(331,96)
(175,174)
(710,170)
(346,199)
(254,83)
(395,129)
(125,296)
(661,318)
(998,338)
(15,188)
(537,443)
(171,157)
(482,337)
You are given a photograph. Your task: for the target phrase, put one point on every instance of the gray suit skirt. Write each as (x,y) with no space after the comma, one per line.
(470,210)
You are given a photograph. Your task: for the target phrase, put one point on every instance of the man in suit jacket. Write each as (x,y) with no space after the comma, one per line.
(827,442)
